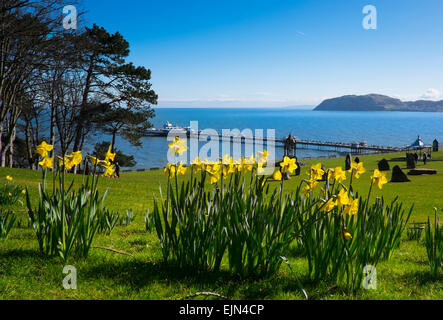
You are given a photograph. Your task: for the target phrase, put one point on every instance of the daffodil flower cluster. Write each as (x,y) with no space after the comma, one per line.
(178,146)
(288,165)
(337,199)
(107,163)
(43,149)
(74,159)
(220,169)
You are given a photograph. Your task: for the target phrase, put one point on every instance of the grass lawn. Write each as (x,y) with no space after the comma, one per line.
(25,274)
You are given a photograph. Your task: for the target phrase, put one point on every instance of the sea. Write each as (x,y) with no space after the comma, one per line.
(395,129)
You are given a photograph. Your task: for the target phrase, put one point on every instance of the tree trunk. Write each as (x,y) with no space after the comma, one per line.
(29,147)
(3,165)
(11,148)
(1,137)
(113,142)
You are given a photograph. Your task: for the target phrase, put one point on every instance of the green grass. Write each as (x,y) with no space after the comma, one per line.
(25,274)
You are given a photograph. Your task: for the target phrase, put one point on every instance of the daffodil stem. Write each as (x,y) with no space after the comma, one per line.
(167,196)
(367,202)
(281,190)
(350,183)
(176,181)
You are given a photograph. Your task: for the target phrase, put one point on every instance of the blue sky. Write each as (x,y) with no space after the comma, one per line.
(279,52)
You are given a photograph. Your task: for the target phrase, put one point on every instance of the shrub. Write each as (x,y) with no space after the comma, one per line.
(251,224)
(10,194)
(7,220)
(373,234)
(434,245)
(415,231)
(66,220)
(128,218)
(107,221)
(242,219)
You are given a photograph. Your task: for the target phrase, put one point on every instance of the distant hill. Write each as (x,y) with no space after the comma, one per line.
(377,102)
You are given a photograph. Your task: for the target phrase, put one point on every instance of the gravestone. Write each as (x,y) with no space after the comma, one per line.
(383,165)
(325,175)
(416,157)
(348,162)
(357,160)
(425,158)
(398,175)
(410,161)
(435,145)
(298,170)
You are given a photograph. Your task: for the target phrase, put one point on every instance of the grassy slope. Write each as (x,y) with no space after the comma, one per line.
(106,275)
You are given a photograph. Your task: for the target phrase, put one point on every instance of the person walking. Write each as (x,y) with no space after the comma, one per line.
(117,170)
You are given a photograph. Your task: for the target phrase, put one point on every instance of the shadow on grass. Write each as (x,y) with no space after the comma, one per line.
(422,278)
(397,159)
(22,254)
(138,274)
(19,259)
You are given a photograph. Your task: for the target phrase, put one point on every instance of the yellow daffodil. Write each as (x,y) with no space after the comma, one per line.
(9,178)
(170,170)
(181,170)
(109,155)
(178,146)
(10,194)
(342,199)
(214,173)
(44,148)
(66,162)
(316,172)
(215,167)
(241,165)
(352,208)
(260,169)
(232,168)
(196,165)
(225,160)
(379,179)
(311,186)
(337,174)
(329,205)
(289,165)
(94,161)
(24,191)
(105,163)
(277,175)
(76,158)
(357,169)
(249,163)
(346,235)
(262,157)
(46,163)
(109,172)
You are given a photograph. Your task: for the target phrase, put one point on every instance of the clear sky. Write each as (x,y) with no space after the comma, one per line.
(279,52)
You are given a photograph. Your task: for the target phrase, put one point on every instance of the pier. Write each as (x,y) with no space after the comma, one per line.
(355,148)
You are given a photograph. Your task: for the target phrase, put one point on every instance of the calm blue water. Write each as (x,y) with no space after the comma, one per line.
(376,128)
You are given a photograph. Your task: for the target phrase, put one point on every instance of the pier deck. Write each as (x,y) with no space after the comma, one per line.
(302,144)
